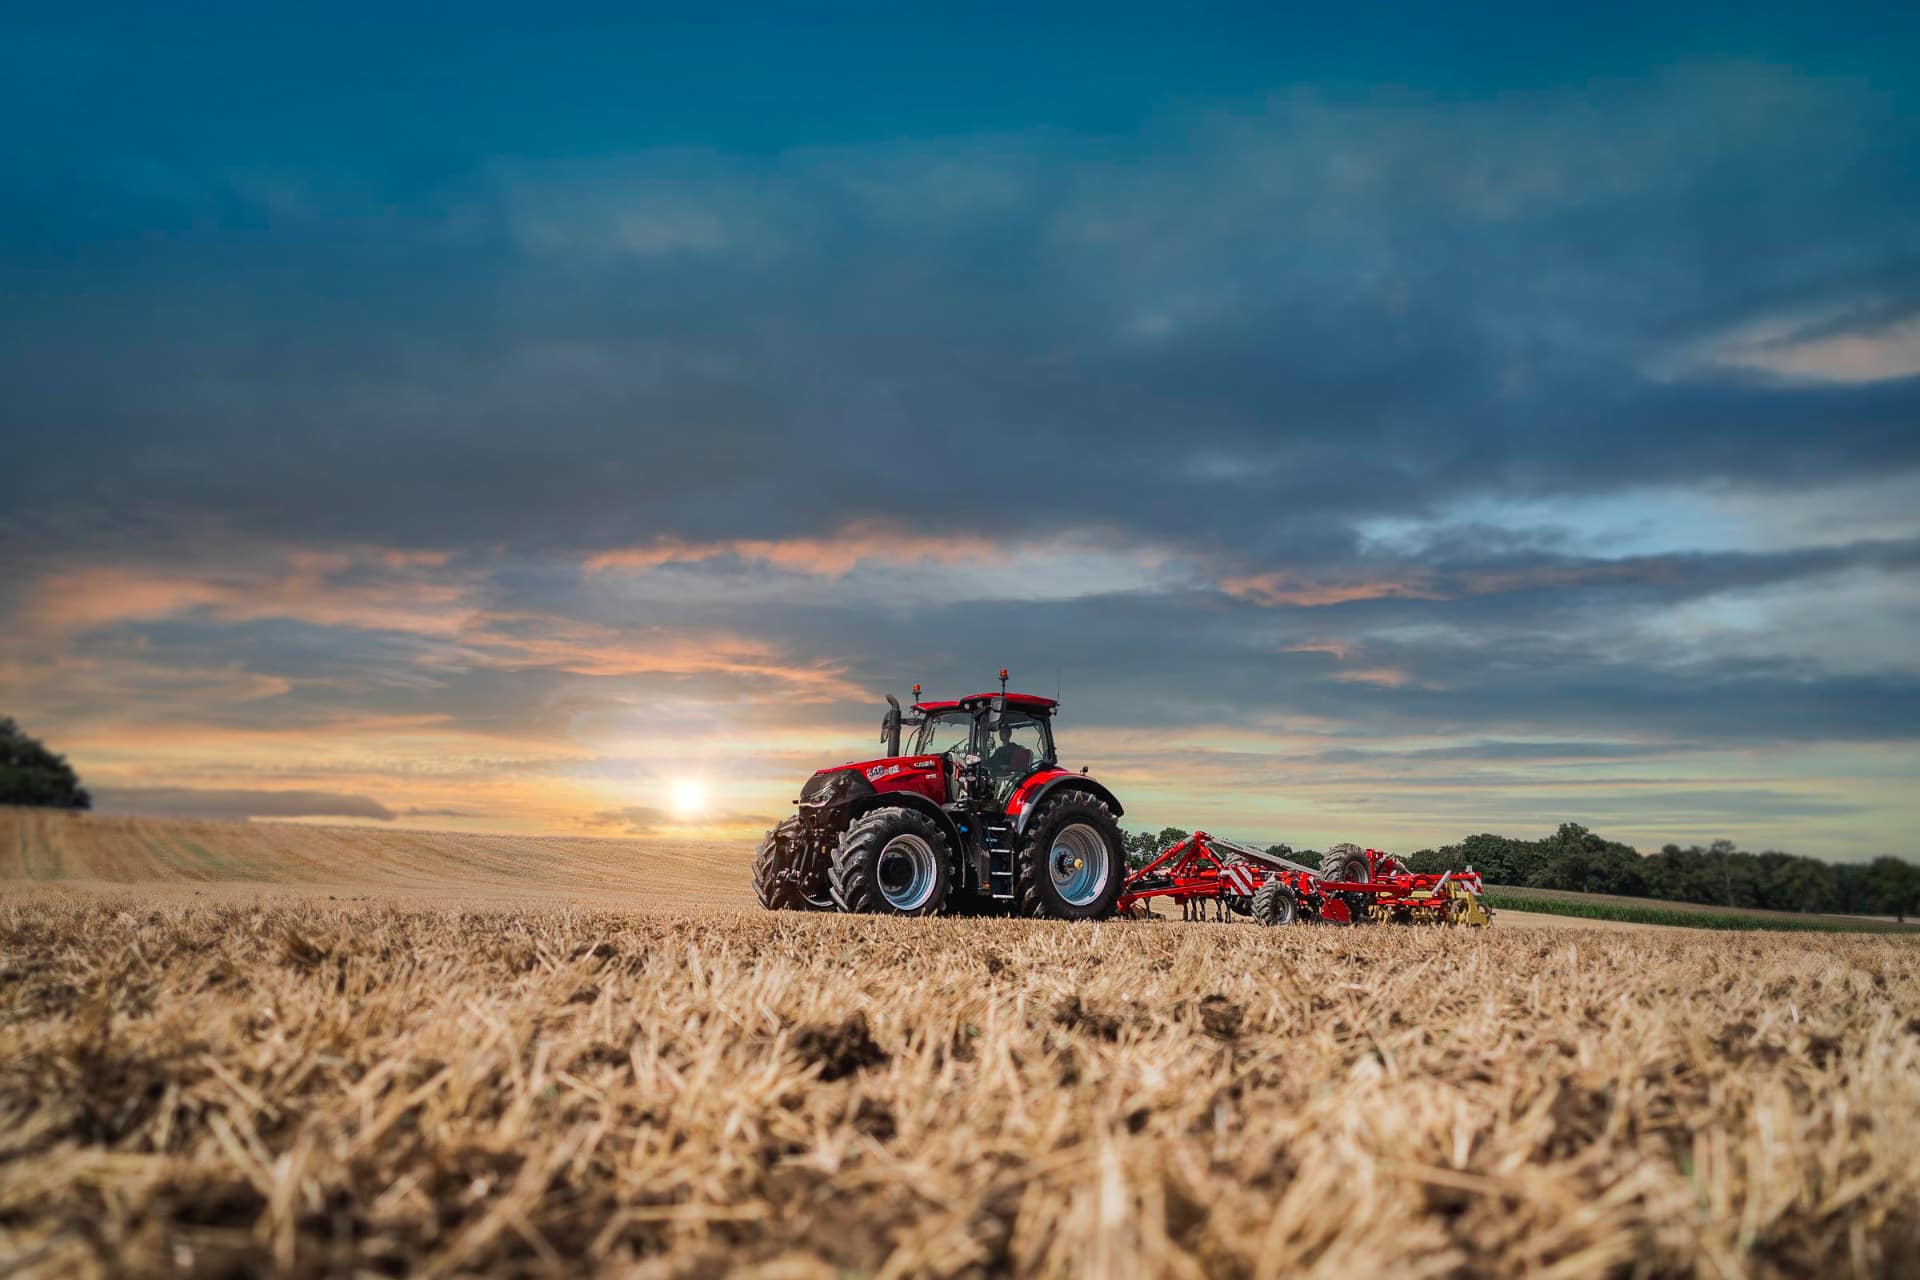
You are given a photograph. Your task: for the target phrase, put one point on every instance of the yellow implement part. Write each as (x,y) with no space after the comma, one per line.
(1467,907)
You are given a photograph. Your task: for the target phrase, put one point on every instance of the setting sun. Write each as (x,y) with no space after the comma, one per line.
(689,798)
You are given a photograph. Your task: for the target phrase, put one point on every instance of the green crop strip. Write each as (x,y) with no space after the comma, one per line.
(1731,920)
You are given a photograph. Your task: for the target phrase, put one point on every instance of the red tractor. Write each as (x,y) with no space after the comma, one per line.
(975,816)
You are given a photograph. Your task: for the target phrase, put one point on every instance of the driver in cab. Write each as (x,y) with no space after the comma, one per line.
(1010,759)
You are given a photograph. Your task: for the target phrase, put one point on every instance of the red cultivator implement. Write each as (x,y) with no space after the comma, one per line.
(1351,886)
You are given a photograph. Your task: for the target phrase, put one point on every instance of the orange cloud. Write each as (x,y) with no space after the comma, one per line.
(415,559)
(1384,677)
(1291,587)
(831,556)
(309,587)
(516,641)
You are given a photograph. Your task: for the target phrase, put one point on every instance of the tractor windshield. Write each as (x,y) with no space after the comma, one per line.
(944,731)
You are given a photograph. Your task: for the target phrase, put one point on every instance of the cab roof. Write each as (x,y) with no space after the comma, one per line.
(1025,701)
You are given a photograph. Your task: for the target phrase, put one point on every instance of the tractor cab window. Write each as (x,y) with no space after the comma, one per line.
(1019,744)
(943,732)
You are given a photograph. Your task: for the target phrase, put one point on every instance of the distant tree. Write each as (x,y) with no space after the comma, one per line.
(32,775)
(1143,846)
(1433,861)
(1893,887)
(1786,882)
(1679,875)
(1499,859)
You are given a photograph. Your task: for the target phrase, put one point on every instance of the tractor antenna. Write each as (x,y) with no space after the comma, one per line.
(1003,682)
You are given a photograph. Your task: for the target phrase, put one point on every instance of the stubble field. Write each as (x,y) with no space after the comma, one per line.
(209,1079)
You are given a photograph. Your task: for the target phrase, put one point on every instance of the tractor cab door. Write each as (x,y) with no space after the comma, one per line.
(949,735)
(1020,743)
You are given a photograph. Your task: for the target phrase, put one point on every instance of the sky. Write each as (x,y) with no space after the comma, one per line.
(1377,425)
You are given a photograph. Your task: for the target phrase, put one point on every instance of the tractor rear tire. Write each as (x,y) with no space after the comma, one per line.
(1072,862)
(893,862)
(1346,863)
(1274,904)
(777,881)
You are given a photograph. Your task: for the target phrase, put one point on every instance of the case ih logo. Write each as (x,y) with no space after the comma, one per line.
(880,771)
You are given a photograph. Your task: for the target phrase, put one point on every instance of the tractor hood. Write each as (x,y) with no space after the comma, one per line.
(864,777)
(842,782)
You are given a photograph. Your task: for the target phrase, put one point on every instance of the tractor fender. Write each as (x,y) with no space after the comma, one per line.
(919,804)
(1029,796)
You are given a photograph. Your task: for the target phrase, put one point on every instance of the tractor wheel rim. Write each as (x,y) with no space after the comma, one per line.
(906,872)
(1080,864)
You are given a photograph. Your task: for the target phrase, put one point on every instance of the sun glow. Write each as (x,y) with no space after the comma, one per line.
(689,798)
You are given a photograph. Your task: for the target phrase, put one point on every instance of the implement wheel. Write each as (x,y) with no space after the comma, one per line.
(1346,863)
(1274,904)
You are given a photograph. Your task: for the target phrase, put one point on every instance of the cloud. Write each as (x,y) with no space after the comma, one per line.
(1358,303)
(370,590)
(1450,568)
(1842,347)
(513,642)
(189,802)
(830,556)
(884,564)
(1383,677)
(1294,588)
(1529,751)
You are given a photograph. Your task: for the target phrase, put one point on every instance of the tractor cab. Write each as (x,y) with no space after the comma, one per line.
(1000,744)
(1012,739)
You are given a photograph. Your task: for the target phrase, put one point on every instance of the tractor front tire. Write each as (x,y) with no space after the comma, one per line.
(893,862)
(780,877)
(1274,904)
(1072,862)
(1346,863)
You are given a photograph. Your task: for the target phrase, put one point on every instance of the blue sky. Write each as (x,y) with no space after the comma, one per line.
(1383,425)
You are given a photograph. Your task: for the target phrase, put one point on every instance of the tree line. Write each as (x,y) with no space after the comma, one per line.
(1718,874)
